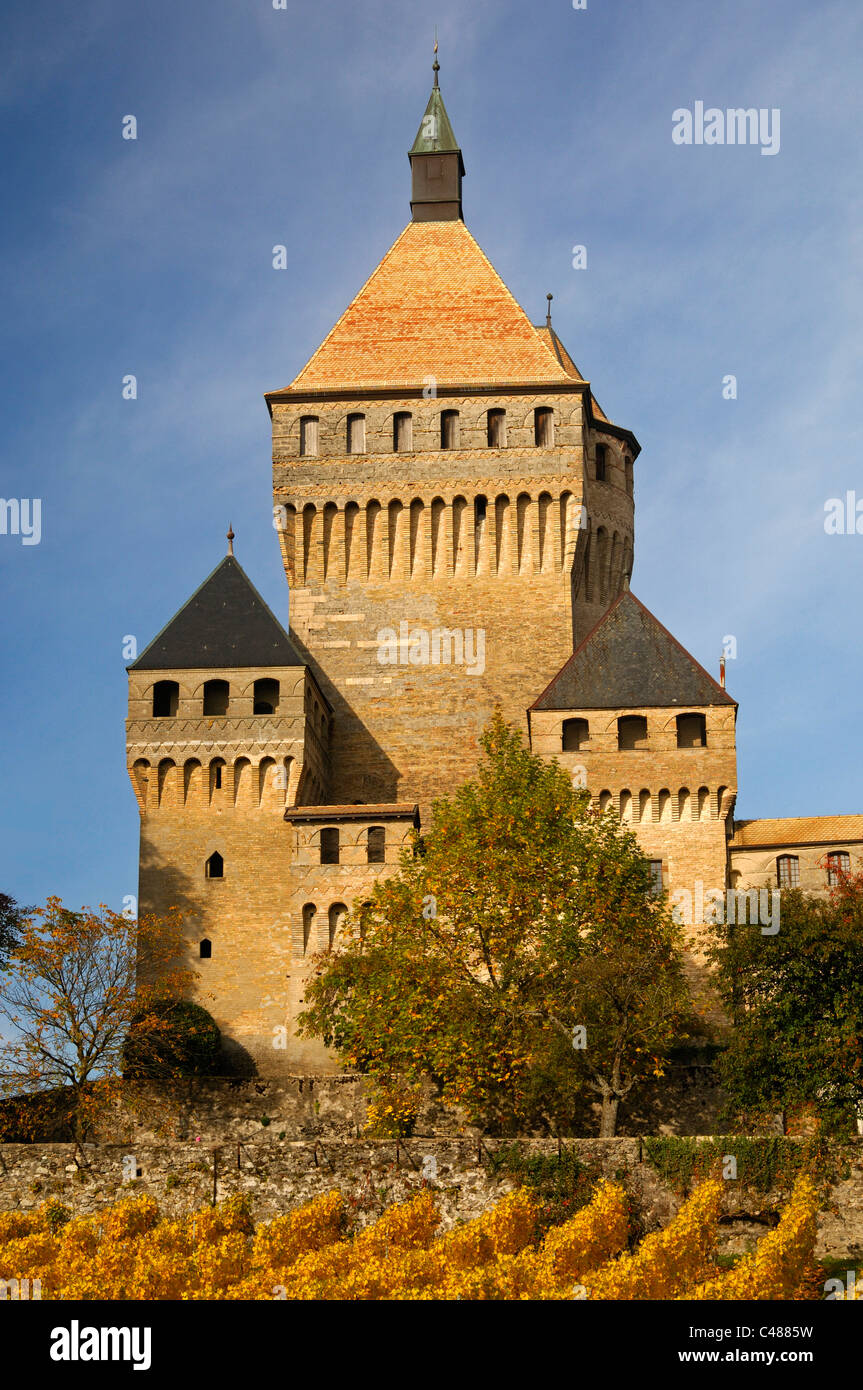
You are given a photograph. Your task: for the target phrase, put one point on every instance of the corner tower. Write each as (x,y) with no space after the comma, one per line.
(454,509)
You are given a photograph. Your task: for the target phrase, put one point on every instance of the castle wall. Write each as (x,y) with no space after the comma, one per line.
(470,540)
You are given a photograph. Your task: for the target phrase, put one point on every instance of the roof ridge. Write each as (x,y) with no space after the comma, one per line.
(520,307)
(319,349)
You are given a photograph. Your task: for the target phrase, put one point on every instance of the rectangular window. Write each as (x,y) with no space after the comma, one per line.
(449,429)
(402,431)
(497,429)
(356,434)
(601,457)
(543,427)
(838,863)
(788,871)
(309,434)
(655,876)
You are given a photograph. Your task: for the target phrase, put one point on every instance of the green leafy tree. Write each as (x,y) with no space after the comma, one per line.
(796,1000)
(517,956)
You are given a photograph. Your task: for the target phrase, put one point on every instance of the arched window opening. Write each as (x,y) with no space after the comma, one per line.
(330,845)
(337,914)
(605,801)
(309,912)
(626,805)
(691,731)
(376,845)
(788,871)
(496,429)
(215,866)
(266,696)
(402,431)
(356,434)
(631,732)
(166,696)
(703,803)
(543,427)
(216,697)
(601,463)
(309,434)
(449,429)
(205,949)
(644,805)
(575,735)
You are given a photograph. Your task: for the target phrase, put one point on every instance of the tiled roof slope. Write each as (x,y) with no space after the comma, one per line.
(224,624)
(797,830)
(549,337)
(630,661)
(434,307)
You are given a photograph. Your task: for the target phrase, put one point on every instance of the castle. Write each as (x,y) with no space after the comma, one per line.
(456,520)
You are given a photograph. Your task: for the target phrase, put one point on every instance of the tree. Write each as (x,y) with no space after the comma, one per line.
(12,919)
(77,981)
(519,959)
(172,1038)
(797,1006)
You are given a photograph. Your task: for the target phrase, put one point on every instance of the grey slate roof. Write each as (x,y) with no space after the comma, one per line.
(224,624)
(628,661)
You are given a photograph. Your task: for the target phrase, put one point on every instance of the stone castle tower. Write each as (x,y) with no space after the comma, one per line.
(455,515)
(439,464)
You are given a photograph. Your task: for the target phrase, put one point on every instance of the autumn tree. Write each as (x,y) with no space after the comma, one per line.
(76,982)
(12,918)
(796,1000)
(517,957)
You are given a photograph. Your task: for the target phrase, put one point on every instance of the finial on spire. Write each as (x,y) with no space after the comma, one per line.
(230,539)
(435,64)
(549,297)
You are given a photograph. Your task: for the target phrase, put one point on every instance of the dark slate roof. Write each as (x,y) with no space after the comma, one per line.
(629,661)
(224,624)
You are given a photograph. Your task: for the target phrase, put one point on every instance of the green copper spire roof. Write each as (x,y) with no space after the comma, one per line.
(435,135)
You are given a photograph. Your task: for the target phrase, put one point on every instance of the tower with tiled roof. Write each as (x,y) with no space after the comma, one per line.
(440,466)
(228,752)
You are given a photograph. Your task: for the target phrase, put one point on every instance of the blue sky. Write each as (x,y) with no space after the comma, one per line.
(259,126)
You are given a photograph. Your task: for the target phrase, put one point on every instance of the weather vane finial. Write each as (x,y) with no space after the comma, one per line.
(230,539)
(549,297)
(435,64)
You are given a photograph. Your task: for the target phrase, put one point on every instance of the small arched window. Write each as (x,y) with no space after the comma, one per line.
(601,462)
(330,845)
(376,845)
(309,434)
(266,696)
(216,697)
(402,431)
(543,427)
(788,871)
(166,695)
(356,434)
(308,919)
(449,429)
(205,949)
(337,914)
(575,735)
(691,731)
(496,429)
(631,732)
(215,866)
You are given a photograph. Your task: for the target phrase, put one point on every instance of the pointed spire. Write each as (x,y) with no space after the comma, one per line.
(435,64)
(436,162)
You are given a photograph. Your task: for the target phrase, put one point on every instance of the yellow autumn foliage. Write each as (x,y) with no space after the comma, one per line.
(128,1251)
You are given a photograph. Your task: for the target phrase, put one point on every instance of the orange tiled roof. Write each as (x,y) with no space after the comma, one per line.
(797,830)
(434,307)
